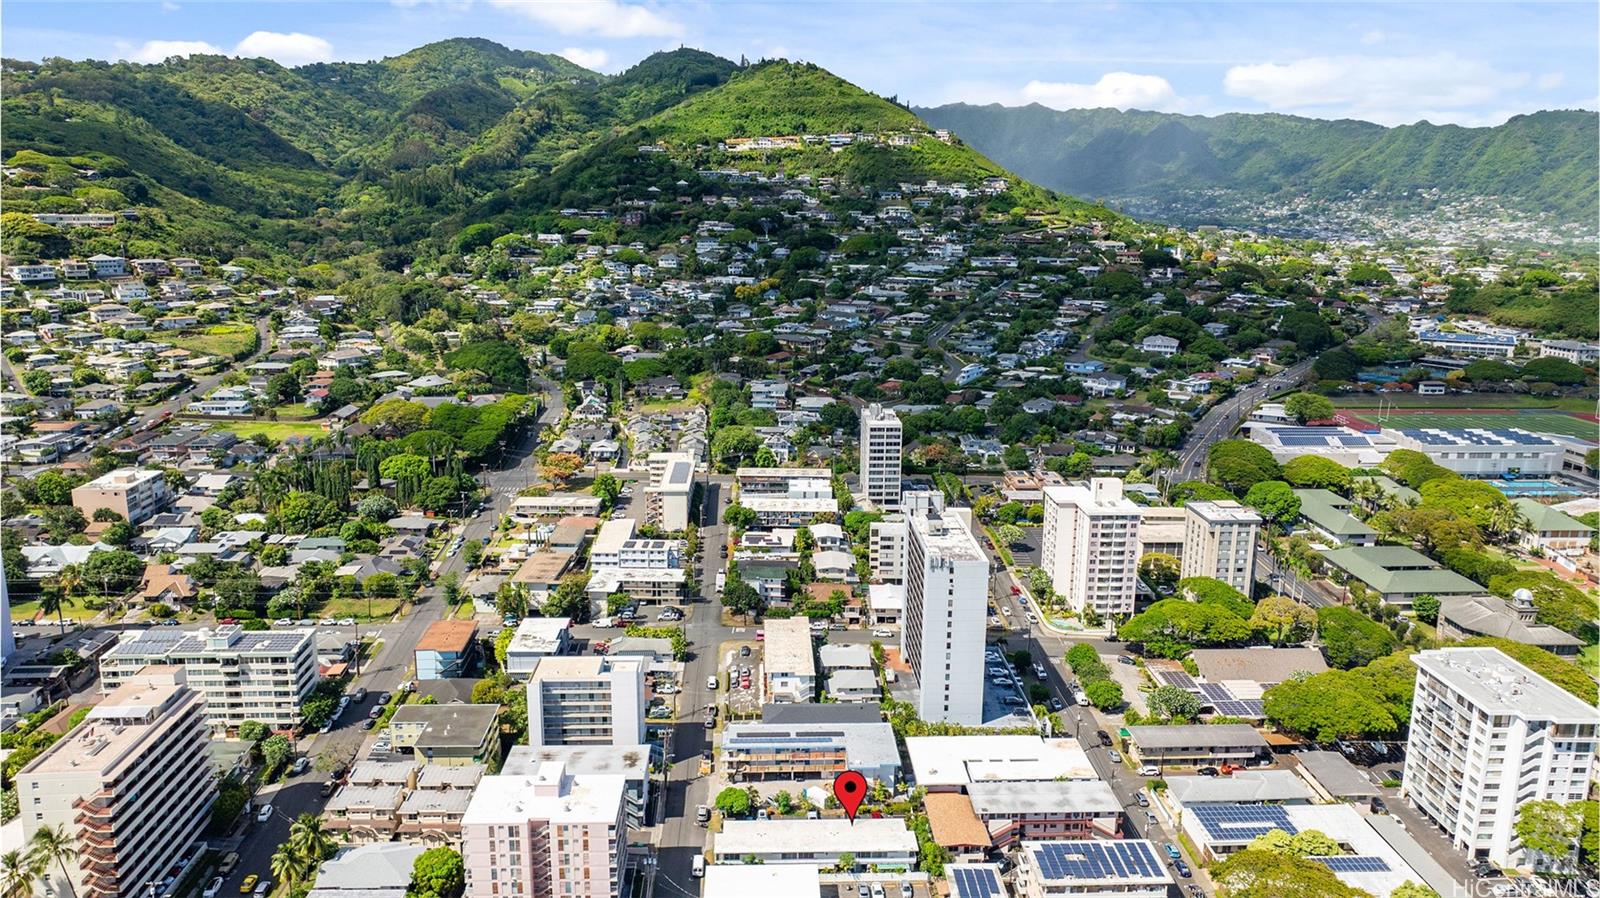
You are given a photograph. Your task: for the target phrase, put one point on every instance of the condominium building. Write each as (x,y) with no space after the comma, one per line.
(617,547)
(947,599)
(790,671)
(1488,735)
(134,493)
(586,700)
(545,834)
(881,443)
(1219,541)
(1091,546)
(244,675)
(132,785)
(886,551)
(671,488)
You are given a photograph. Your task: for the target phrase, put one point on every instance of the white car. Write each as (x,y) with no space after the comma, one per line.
(347,622)
(325,729)
(265,814)
(283,622)
(882,633)
(213,888)
(329,622)
(1149,770)
(666,689)
(711,683)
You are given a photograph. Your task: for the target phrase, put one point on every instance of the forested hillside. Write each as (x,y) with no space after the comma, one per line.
(1540,162)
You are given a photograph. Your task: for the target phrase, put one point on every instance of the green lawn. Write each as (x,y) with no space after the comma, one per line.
(1536,420)
(298,411)
(70,610)
(277,430)
(382,609)
(1458,400)
(1589,659)
(221,339)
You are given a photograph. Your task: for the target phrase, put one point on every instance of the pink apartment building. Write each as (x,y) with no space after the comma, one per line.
(545,834)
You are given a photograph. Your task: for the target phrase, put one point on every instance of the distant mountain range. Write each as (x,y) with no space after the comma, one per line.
(1538,163)
(228,155)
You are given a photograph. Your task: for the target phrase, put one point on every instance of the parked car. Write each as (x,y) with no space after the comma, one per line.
(711,683)
(262,888)
(1173,852)
(883,633)
(265,814)
(1140,800)
(744,651)
(1056,704)
(877,890)
(301,765)
(1208,771)
(1115,756)
(1103,736)
(212,888)
(360,694)
(1149,770)
(1183,869)
(702,815)
(328,787)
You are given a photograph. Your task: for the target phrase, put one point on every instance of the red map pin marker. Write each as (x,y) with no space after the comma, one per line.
(850,788)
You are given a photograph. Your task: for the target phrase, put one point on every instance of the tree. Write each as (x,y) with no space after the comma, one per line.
(286,865)
(53,488)
(1169,628)
(1550,828)
(570,598)
(1173,703)
(1274,499)
(438,873)
(1409,889)
(1316,472)
(1336,365)
(1305,843)
(738,517)
(1329,706)
(1009,534)
(1426,607)
(1273,874)
(735,443)
(310,841)
(1237,465)
(1104,694)
(377,508)
(53,845)
(275,751)
(733,802)
(1351,639)
(1191,490)
(17,873)
(608,488)
(1281,620)
(1305,407)
(559,467)
(1160,571)
(253,731)
(302,512)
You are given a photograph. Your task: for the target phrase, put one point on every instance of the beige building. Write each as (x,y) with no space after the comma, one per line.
(671,489)
(790,671)
(132,784)
(1219,541)
(134,493)
(880,447)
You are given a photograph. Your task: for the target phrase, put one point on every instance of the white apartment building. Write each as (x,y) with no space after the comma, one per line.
(1219,541)
(616,547)
(244,675)
(779,481)
(947,601)
(881,444)
(132,784)
(789,670)
(1091,545)
(670,491)
(545,834)
(886,550)
(1487,736)
(134,493)
(586,700)
(1571,350)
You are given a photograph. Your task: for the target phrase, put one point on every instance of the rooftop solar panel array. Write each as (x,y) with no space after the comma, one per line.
(977,882)
(1098,860)
(1214,692)
(1178,678)
(1249,707)
(1242,822)
(1353,863)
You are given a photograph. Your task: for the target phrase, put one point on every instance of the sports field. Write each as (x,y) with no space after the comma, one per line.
(1537,420)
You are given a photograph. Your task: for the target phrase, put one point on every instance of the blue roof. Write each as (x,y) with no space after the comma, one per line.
(1241,822)
(1484,339)
(1095,859)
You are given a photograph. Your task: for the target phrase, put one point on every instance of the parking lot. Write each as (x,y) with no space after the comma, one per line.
(1005,697)
(739,671)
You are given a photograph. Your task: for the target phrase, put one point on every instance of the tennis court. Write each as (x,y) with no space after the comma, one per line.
(1535,420)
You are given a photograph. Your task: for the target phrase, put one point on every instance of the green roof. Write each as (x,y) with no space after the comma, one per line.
(1545,519)
(1325,511)
(1398,570)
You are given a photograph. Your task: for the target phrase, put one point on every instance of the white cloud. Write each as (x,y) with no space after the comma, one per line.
(1373,37)
(450,5)
(1551,80)
(594,60)
(1442,87)
(606,18)
(169,6)
(158,51)
(290,49)
(1120,90)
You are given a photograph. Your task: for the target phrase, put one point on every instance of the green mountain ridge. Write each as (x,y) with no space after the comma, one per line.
(1540,162)
(354,157)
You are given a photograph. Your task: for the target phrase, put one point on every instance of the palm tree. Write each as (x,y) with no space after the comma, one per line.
(1506,521)
(286,865)
(52,845)
(67,584)
(308,839)
(17,873)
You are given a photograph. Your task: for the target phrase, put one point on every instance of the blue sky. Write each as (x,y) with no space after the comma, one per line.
(1392,63)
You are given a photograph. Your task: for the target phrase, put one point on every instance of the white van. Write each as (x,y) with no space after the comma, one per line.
(699,868)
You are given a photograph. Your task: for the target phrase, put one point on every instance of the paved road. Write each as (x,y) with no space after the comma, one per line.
(1221,420)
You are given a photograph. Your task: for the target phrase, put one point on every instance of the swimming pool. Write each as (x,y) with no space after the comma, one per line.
(1533,488)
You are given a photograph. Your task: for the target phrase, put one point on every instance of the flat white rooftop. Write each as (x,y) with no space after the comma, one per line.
(959,760)
(1499,685)
(807,837)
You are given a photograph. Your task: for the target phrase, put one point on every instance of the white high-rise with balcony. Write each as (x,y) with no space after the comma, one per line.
(132,785)
(947,600)
(881,443)
(1091,546)
(545,834)
(1489,735)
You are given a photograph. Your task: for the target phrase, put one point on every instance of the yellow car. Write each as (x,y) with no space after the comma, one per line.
(248,884)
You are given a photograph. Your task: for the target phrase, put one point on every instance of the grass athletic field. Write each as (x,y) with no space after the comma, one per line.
(1572,424)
